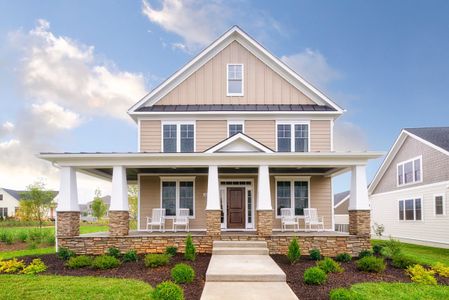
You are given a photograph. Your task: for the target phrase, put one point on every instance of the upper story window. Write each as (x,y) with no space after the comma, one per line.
(178,137)
(234,127)
(409,171)
(439,205)
(235,80)
(292,137)
(410,209)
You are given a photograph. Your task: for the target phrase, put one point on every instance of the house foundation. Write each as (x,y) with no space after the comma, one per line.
(118,223)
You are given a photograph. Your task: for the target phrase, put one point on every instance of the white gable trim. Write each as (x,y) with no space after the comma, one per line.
(235,34)
(427,143)
(344,200)
(235,138)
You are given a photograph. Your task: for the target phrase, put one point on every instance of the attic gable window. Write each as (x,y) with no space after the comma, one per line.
(409,172)
(235,80)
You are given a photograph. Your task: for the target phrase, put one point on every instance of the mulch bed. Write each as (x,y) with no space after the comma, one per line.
(13,246)
(349,277)
(136,270)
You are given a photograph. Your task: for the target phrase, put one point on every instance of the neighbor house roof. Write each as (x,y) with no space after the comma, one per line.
(340,198)
(16,193)
(439,136)
(235,107)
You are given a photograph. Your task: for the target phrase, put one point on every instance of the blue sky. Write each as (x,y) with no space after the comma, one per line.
(386,62)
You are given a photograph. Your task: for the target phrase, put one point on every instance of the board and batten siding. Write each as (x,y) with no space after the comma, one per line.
(261,85)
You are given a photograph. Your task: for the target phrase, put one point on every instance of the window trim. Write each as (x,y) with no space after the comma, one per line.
(292,133)
(178,134)
(414,209)
(292,180)
(177,180)
(236,122)
(402,163)
(1,197)
(227,81)
(435,207)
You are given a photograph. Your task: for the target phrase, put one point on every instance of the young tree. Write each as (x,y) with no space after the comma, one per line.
(36,202)
(99,208)
(132,201)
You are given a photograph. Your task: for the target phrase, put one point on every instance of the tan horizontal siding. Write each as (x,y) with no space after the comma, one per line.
(209,133)
(150,136)
(262,131)
(320,135)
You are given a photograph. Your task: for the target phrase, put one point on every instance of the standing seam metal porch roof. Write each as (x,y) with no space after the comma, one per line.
(235,107)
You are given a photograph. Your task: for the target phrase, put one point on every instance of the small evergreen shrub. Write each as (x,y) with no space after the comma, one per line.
(131,255)
(343,257)
(329,265)
(167,290)
(315,254)
(156,260)
(421,275)
(65,253)
(371,264)
(114,252)
(441,269)
(377,248)
(182,273)
(11,266)
(171,250)
(315,275)
(104,262)
(294,251)
(36,266)
(402,261)
(77,262)
(50,240)
(391,248)
(22,236)
(190,253)
(342,294)
(365,253)
(7,237)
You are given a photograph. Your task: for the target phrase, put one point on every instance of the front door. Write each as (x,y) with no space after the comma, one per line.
(236,207)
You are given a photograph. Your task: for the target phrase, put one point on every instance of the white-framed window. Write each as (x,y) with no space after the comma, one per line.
(3,212)
(293,136)
(1,197)
(440,205)
(178,193)
(234,80)
(410,209)
(409,171)
(292,193)
(178,137)
(235,127)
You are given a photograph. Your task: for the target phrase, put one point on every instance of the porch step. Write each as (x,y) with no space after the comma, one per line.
(240,244)
(239,251)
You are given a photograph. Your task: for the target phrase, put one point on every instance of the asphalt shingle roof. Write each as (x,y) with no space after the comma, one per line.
(340,196)
(16,194)
(439,136)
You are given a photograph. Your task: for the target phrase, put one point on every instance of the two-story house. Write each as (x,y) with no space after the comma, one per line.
(408,194)
(233,136)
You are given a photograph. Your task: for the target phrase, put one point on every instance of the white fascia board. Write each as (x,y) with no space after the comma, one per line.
(344,200)
(240,136)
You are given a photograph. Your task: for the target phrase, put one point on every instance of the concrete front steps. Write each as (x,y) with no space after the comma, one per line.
(240,248)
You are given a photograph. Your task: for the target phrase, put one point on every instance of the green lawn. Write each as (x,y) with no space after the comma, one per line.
(70,287)
(399,291)
(88,228)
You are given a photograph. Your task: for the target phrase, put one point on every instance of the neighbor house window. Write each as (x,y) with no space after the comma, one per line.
(292,193)
(176,194)
(178,137)
(235,80)
(439,205)
(410,209)
(234,128)
(3,212)
(409,171)
(1,197)
(292,137)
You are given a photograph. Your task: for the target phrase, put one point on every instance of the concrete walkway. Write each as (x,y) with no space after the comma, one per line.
(244,270)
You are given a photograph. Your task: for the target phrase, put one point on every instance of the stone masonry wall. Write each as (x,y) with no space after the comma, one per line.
(359,222)
(68,223)
(118,223)
(213,222)
(264,222)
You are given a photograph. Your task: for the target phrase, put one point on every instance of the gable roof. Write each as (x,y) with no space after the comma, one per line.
(438,136)
(241,143)
(234,34)
(16,193)
(340,198)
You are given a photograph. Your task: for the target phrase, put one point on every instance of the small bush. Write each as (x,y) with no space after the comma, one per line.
(342,294)
(315,275)
(329,265)
(77,262)
(22,236)
(182,273)
(371,264)
(65,253)
(421,275)
(171,250)
(104,262)
(343,257)
(377,248)
(441,269)
(315,254)
(391,248)
(365,253)
(11,266)
(35,235)
(294,251)
(131,255)
(32,245)
(156,260)
(6,237)
(50,240)
(167,290)
(114,252)
(190,253)
(36,266)
(403,261)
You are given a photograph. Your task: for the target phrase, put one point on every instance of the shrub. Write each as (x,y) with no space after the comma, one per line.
(315,275)
(343,257)
(35,235)
(11,266)
(329,265)
(76,262)
(403,261)
(391,248)
(167,290)
(114,252)
(156,260)
(371,264)
(50,240)
(342,294)
(65,253)
(377,248)
(6,237)
(190,253)
(32,245)
(36,266)
(104,262)
(22,236)
(131,255)
(421,275)
(441,269)
(315,254)
(294,251)
(365,253)
(171,250)
(182,273)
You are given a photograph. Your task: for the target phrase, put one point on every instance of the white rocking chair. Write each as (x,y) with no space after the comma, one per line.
(289,219)
(157,219)
(182,219)
(311,219)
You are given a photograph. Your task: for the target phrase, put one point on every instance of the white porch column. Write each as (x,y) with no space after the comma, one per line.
(358,199)
(263,189)
(68,192)
(213,189)
(119,196)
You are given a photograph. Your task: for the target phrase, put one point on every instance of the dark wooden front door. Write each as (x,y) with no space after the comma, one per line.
(236,207)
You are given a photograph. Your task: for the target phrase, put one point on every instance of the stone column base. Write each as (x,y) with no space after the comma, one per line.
(118,223)
(264,222)
(68,223)
(213,222)
(359,222)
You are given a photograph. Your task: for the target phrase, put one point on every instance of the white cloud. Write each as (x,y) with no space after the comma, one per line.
(56,115)
(349,137)
(6,128)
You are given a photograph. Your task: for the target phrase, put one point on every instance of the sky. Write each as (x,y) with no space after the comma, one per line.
(69,70)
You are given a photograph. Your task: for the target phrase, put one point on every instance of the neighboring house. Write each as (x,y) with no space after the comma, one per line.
(86,209)
(409,192)
(234,136)
(341,214)
(9,203)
